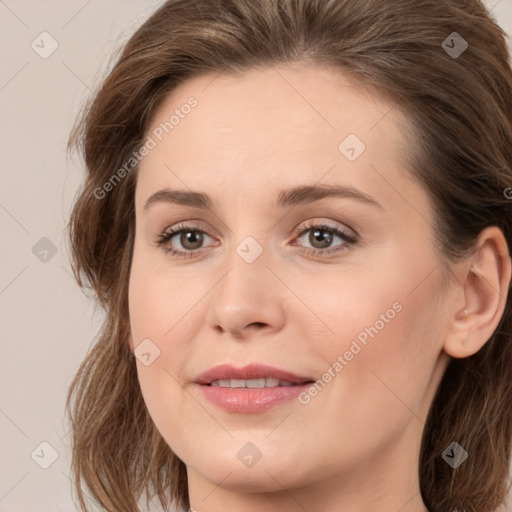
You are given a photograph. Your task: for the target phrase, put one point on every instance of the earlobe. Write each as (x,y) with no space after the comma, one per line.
(485,287)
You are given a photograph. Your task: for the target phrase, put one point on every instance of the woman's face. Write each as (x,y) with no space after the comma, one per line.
(359,313)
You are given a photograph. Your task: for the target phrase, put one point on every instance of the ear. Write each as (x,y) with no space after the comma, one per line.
(484,280)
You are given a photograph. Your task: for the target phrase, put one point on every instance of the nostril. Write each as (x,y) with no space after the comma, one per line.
(258,324)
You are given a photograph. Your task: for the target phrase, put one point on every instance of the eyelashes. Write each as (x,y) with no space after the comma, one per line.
(317,229)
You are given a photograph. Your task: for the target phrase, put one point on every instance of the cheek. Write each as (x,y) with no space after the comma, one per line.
(159,299)
(164,311)
(159,378)
(386,327)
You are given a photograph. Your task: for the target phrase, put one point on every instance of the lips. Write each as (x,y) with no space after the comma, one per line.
(250,389)
(250,372)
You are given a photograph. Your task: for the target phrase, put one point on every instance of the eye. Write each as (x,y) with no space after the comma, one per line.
(321,236)
(191,239)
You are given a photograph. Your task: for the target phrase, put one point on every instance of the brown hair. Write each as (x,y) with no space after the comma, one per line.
(460,108)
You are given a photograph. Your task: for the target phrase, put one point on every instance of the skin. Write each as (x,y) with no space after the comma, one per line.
(355,445)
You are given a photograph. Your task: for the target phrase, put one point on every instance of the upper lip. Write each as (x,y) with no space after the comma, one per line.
(251,371)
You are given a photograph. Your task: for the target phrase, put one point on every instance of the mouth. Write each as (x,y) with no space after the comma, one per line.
(254,375)
(250,389)
(269,382)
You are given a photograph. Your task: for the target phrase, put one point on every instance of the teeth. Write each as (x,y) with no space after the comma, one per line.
(233,383)
(251,383)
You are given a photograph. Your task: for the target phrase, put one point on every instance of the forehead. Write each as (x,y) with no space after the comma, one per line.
(272,105)
(272,128)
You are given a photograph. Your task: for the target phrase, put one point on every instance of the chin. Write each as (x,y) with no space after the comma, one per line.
(271,475)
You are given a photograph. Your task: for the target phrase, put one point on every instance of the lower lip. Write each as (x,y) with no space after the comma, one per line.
(250,400)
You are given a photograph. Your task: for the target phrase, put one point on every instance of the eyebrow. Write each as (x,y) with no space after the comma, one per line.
(303,194)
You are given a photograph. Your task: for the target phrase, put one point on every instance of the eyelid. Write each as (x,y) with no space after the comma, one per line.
(303,226)
(193,225)
(329,224)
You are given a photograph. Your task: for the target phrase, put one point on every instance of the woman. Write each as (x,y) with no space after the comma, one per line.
(297,217)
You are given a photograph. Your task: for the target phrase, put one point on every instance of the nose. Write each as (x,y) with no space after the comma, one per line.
(248,298)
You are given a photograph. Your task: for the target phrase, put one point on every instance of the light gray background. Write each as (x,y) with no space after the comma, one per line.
(47,324)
